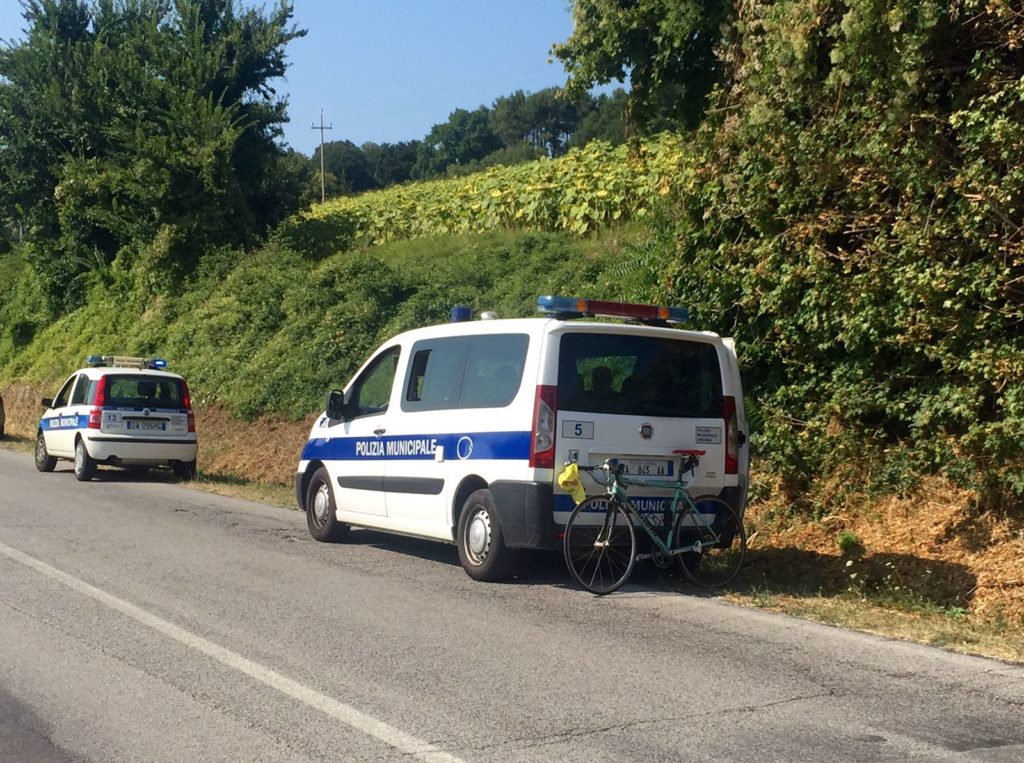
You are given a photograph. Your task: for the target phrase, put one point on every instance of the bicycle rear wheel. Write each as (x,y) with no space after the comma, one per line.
(721,538)
(600,545)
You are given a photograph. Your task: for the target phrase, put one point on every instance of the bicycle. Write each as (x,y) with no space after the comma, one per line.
(600,543)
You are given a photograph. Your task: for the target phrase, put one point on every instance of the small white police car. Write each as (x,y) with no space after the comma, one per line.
(454,432)
(122,411)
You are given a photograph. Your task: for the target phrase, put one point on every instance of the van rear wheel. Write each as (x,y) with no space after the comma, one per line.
(482,548)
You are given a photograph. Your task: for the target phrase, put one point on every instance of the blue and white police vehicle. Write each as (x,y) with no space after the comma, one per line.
(122,411)
(457,432)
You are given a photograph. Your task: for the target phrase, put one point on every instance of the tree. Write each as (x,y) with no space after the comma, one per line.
(605,120)
(119,121)
(347,162)
(391,163)
(465,137)
(665,47)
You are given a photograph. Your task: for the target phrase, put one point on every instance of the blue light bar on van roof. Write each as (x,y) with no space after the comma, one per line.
(459,314)
(572,307)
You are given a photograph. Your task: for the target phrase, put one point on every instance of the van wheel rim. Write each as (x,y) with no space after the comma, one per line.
(321,506)
(478,539)
(40,450)
(79,458)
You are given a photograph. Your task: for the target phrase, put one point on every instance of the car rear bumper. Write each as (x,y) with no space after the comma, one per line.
(153,452)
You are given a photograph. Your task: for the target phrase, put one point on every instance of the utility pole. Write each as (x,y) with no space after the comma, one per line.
(321,128)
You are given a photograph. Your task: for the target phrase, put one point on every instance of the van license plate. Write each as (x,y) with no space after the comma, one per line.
(646,468)
(146,426)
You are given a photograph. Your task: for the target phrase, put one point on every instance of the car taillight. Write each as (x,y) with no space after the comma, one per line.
(99,397)
(732,437)
(188,407)
(542,439)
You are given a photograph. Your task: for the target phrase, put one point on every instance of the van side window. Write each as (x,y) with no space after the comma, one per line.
(639,376)
(78,397)
(372,390)
(435,374)
(465,372)
(494,370)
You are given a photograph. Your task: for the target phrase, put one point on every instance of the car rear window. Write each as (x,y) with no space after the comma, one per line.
(638,376)
(141,391)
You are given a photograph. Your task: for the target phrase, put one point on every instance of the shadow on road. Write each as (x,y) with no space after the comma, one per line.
(901,576)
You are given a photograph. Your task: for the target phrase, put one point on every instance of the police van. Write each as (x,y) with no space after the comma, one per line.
(123,411)
(457,432)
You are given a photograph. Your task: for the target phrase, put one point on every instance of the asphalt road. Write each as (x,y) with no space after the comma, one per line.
(143,621)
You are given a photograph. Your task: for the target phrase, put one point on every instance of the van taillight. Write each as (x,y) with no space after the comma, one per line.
(95,418)
(188,407)
(732,437)
(542,441)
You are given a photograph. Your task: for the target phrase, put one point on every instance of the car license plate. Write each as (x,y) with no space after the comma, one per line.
(643,468)
(146,426)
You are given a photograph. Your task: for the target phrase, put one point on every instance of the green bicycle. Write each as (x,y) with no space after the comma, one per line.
(703,535)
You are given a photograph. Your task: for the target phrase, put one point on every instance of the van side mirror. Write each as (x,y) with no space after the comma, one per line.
(336,407)
(47,402)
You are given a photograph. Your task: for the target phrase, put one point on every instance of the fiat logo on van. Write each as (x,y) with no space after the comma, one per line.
(646,430)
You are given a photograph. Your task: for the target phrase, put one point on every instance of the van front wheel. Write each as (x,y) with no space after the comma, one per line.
(482,548)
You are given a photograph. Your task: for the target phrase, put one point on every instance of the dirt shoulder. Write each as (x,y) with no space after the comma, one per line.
(929,567)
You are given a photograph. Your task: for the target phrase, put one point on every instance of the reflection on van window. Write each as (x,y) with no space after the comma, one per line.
(465,372)
(638,376)
(371,392)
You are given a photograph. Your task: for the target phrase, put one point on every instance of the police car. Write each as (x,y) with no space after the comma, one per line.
(122,411)
(454,432)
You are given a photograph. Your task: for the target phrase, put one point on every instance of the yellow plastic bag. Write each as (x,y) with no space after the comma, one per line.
(569,480)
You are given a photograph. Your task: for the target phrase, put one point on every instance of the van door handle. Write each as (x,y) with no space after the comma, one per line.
(379,431)
(743,438)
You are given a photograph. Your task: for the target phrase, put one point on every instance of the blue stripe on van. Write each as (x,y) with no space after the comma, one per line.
(469,446)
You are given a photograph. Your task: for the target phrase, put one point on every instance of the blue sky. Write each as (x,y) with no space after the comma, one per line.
(387,70)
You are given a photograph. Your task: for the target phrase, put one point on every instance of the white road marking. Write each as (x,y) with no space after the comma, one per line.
(347,714)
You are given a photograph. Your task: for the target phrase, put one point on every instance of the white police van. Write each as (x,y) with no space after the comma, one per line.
(457,432)
(123,411)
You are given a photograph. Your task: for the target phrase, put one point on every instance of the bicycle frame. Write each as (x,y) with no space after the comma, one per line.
(682,504)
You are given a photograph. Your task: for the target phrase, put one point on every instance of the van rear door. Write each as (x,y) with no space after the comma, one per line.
(637,394)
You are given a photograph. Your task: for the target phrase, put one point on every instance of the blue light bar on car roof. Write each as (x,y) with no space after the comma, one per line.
(572,307)
(126,361)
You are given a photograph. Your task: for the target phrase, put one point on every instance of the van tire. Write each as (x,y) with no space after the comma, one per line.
(184,470)
(482,548)
(322,512)
(44,461)
(85,466)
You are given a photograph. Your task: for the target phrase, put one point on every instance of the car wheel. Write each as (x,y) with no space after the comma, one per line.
(44,461)
(184,470)
(85,466)
(321,511)
(482,548)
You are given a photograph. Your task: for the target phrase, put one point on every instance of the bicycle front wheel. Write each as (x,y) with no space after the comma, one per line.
(600,545)
(717,539)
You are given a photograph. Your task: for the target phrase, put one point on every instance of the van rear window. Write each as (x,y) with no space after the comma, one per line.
(138,391)
(638,376)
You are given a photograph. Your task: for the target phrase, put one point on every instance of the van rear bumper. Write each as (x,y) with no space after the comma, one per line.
(526,513)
